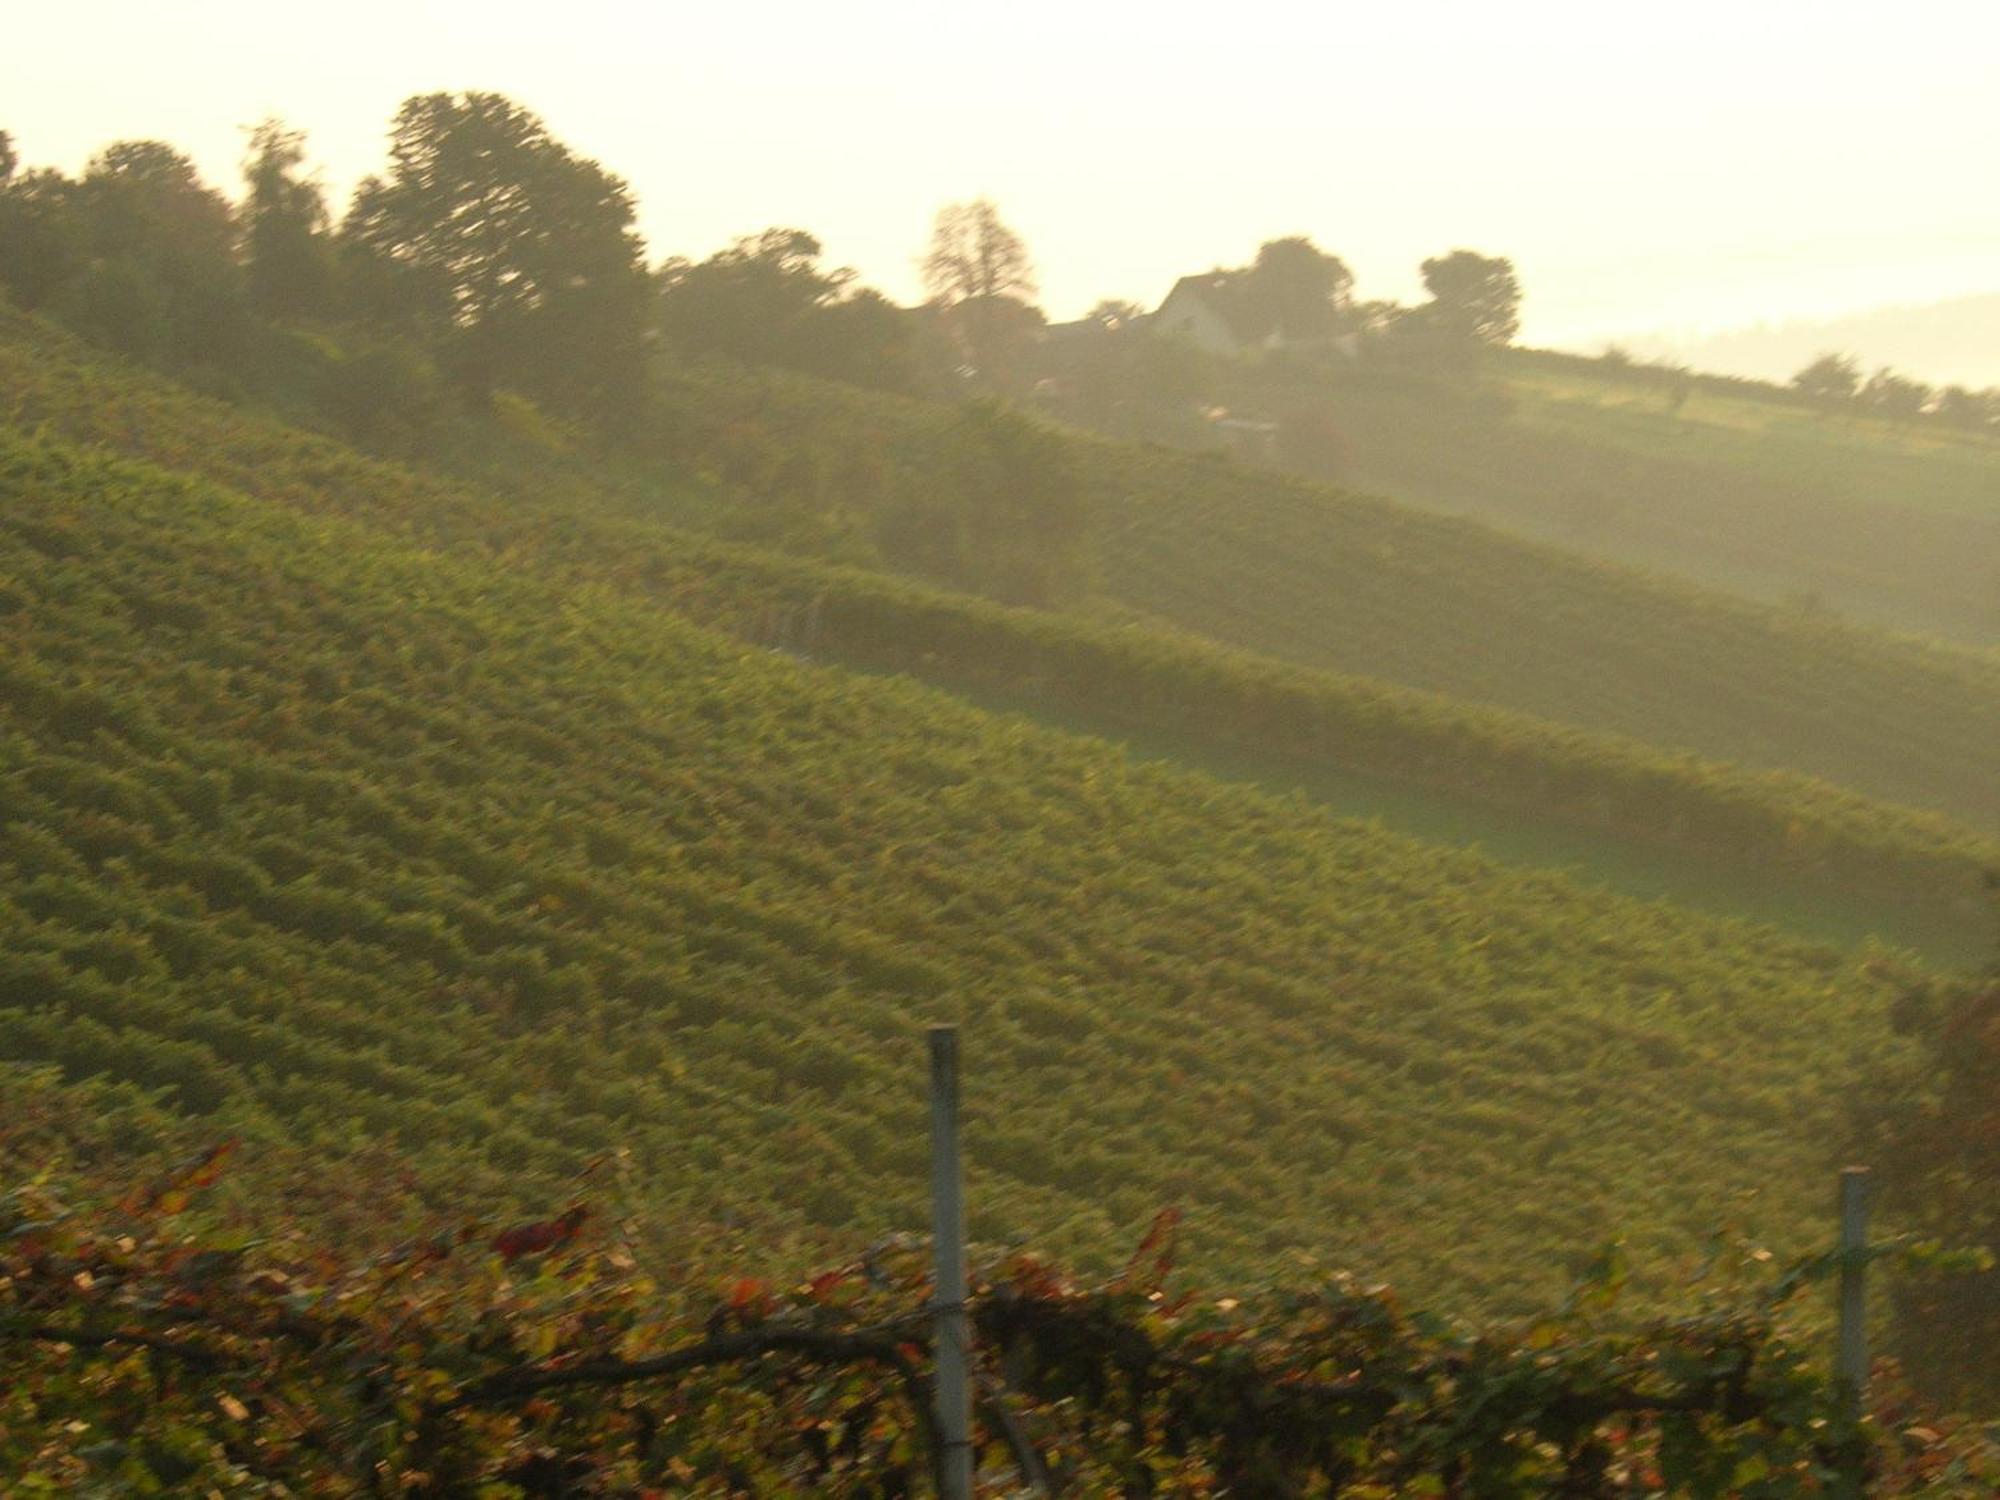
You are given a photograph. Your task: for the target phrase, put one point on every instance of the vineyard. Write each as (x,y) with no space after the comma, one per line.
(586,531)
(1296,573)
(160,1341)
(495,791)
(1281,567)
(334,836)
(1331,580)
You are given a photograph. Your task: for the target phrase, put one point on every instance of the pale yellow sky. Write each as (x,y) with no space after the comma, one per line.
(1646,166)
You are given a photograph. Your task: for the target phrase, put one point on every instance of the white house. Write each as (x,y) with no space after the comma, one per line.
(1216,312)
(1213,313)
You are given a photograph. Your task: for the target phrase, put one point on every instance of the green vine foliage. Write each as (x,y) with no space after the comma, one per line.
(335,835)
(152,1351)
(571,521)
(1345,583)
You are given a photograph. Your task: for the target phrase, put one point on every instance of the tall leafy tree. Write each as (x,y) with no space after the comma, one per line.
(159,277)
(750,301)
(1974,410)
(1475,298)
(1894,396)
(519,255)
(767,300)
(974,255)
(1299,289)
(1831,377)
(146,197)
(287,249)
(40,239)
(981,281)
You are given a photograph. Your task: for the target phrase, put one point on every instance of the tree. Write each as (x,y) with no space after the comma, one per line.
(1830,378)
(973,255)
(1377,318)
(765,300)
(750,300)
(147,196)
(158,276)
(981,283)
(1975,411)
(1299,290)
(1896,397)
(1011,522)
(517,255)
(1475,299)
(867,339)
(287,250)
(41,240)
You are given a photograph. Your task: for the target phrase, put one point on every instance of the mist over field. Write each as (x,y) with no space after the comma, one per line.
(874,752)
(1952,342)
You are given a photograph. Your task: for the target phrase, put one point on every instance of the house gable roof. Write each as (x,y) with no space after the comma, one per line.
(1225,294)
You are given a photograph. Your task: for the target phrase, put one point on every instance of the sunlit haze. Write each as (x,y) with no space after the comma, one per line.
(890,749)
(1699,166)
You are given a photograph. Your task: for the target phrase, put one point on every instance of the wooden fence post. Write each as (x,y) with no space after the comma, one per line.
(1853,1359)
(954,1390)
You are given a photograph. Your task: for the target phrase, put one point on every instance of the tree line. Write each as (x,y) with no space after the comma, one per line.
(1835,380)
(486,256)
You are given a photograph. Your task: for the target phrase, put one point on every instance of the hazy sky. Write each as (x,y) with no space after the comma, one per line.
(1706,162)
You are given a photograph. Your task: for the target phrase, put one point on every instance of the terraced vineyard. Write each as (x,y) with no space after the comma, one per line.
(584,532)
(1377,589)
(1339,581)
(1352,585)
(331,835)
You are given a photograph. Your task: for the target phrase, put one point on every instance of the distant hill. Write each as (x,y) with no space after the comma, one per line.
(1953,342)
(1733,485)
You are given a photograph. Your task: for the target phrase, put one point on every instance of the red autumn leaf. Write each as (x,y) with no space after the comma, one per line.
(169,1191)
(822,1286)
(533,1239)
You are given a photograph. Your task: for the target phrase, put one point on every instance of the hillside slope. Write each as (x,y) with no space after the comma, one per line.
(564,520)
(1897,525)
(335,836)
(1329,580)
(1248,559)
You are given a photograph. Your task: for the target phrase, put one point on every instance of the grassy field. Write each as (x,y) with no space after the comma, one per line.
(1852,456)
(335,834)
(1899,526)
